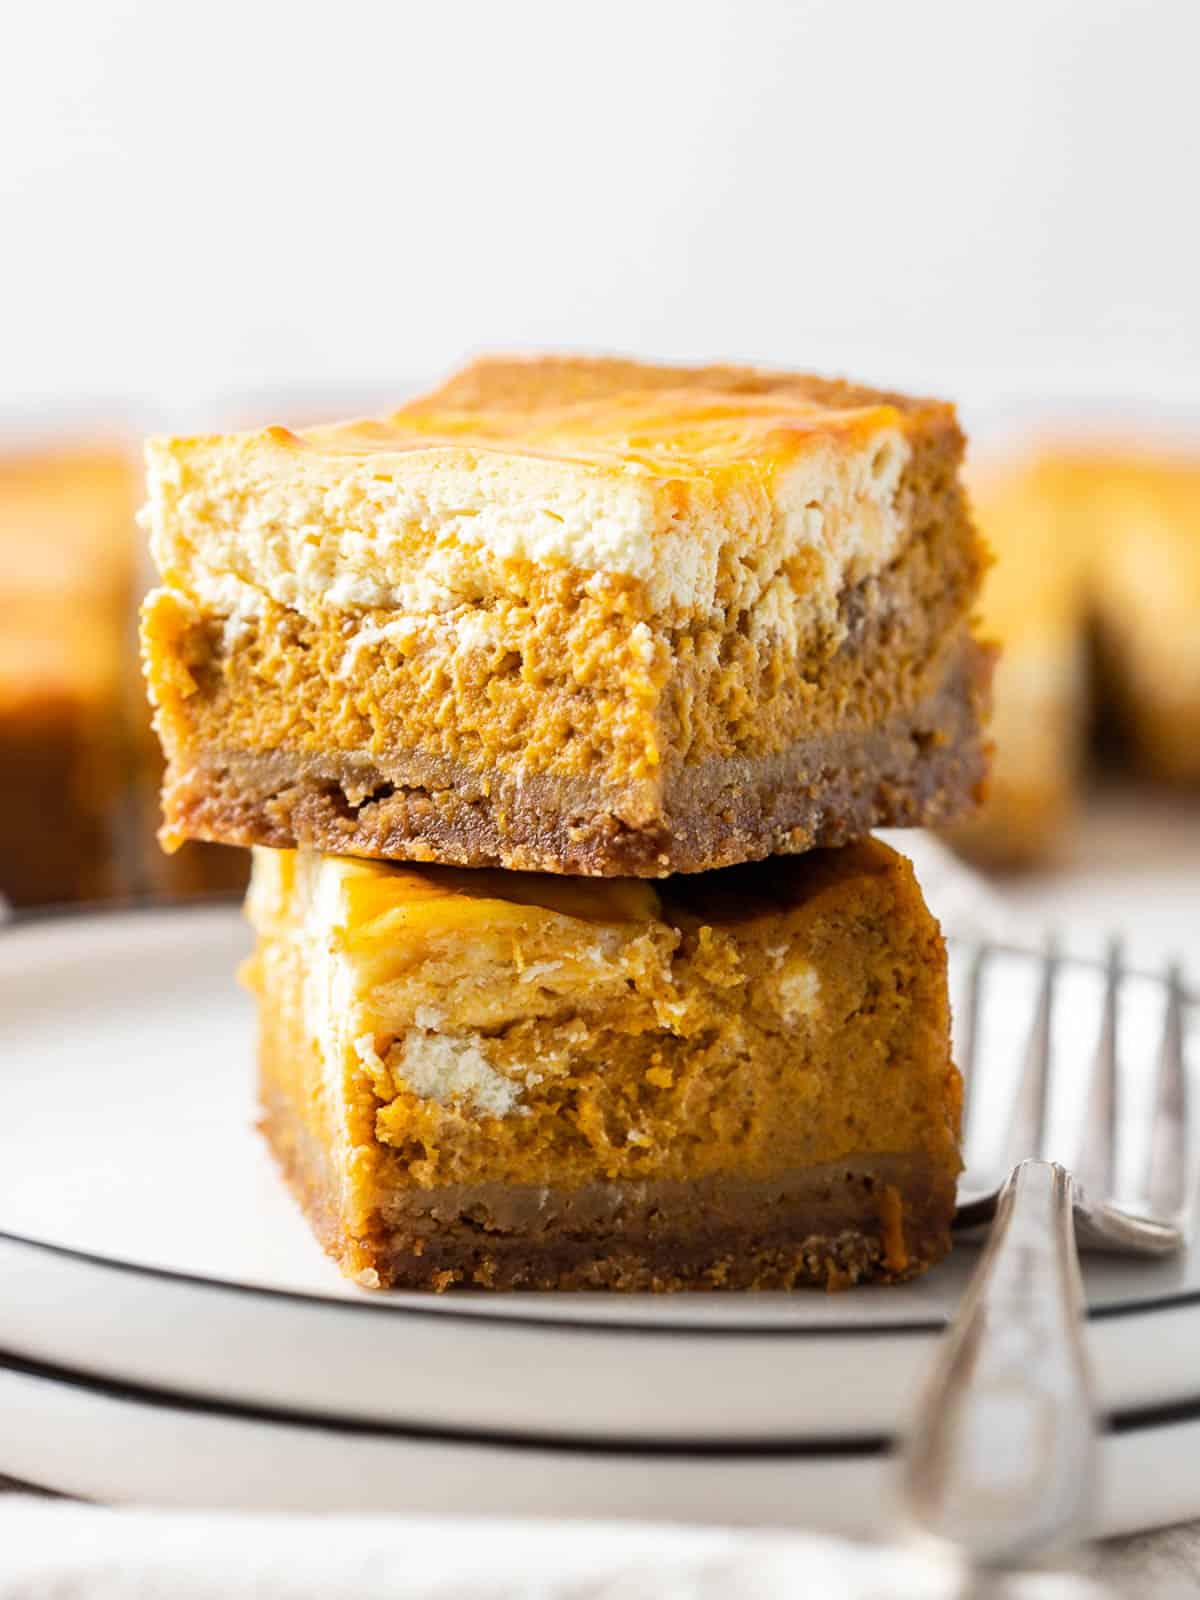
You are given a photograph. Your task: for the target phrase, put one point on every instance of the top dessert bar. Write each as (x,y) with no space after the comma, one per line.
(583,616)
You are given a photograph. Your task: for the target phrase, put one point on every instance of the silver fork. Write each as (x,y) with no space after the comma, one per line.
(1000,1465)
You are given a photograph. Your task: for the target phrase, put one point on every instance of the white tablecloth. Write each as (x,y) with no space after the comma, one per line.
(56,1549)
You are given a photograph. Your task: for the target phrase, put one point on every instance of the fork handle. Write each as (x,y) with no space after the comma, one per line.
(1000,1464)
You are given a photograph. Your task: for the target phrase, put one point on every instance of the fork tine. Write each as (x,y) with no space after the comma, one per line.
(967,1047)
(1167,1177)
(1095,1163)
(1026,1135)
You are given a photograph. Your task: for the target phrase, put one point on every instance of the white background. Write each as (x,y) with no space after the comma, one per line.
(207,199)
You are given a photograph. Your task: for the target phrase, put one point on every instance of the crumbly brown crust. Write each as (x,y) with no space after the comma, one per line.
(877,1219)
(926,765)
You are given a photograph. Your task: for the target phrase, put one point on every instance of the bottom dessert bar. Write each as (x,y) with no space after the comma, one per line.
(735,1080)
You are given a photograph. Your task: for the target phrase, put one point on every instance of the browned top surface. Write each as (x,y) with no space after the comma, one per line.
(606,411)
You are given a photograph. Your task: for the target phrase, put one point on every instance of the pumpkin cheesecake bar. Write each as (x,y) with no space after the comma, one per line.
(735,1080)
(1098,566)
(66,519)
(1034,604)
(79,764)
(578,616)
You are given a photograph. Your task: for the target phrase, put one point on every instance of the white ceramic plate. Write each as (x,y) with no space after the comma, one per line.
(156,1282)
(99,1441)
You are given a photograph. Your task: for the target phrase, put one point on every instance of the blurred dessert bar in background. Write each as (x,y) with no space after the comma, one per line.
(1145,598)
(1095,598)
(79,768)
(1033,604)
(738,1079)
(580,616)
(65,549)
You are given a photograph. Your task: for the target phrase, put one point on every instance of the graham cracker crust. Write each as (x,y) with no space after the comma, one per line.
(875,1218)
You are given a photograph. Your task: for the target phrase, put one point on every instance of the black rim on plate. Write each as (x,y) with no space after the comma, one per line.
(866,1446)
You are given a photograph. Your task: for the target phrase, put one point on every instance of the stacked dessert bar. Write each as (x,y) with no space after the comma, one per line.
(557,707)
